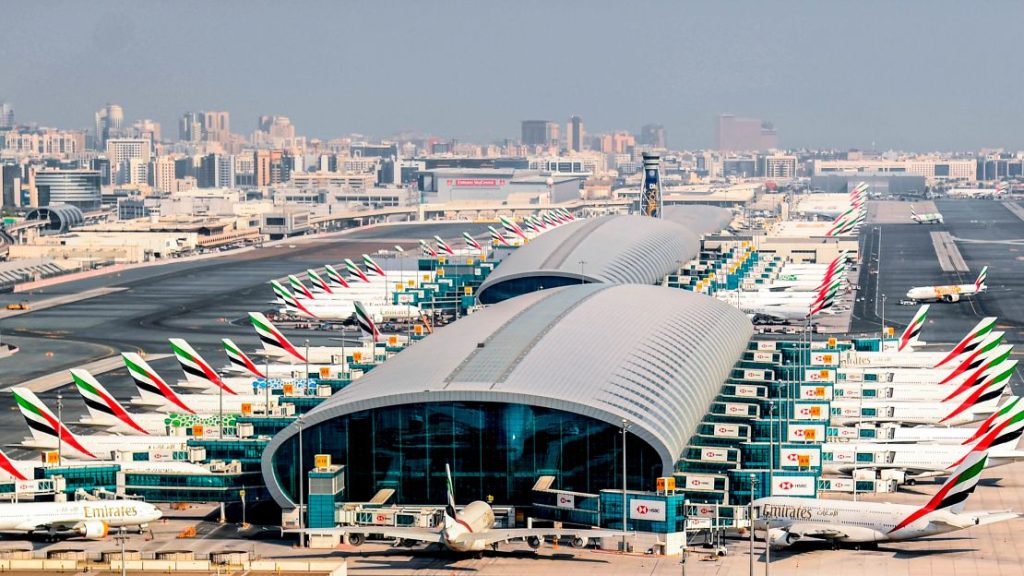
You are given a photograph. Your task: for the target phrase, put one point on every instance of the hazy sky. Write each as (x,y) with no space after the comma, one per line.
(922,75)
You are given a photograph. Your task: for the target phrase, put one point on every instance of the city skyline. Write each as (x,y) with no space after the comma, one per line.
(809,69)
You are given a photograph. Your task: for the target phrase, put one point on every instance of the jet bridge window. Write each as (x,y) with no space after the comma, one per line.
(869,412)
(865,457)
(870,393)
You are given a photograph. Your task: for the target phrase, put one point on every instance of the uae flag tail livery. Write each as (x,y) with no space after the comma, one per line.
(1006,431)
(512,227)
(985,376)
(497,237)
(290,302)
(239,359)
(427,250)
(152,388)
(971,341)
(354,270)
(372,267)
(319,284)
(995,419)
(197,369)
(299,287)
(274,342)
(365,321)
(913,330)
(953,494)
(44,424)
(443,246)
(336,276)
(102,406)
(471,242)
(980,395)
(990,347)
(979,283)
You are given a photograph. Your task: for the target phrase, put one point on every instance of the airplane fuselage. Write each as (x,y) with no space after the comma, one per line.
(475,518)
(950,293)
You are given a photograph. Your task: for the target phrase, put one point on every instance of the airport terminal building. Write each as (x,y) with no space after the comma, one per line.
(541,382)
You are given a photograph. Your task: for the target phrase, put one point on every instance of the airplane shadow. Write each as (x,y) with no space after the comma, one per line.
(410,558)
(897,553)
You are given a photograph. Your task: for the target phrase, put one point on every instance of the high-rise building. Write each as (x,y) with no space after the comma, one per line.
(6,116)
(268,167)
(653,135)
(539,133)
(190,126)
(216,171)
(163,174)
(10,184)
(147,129)
(217,125)
(744,134)
(109,122)
(121,151)
(79,188)
(574,134)
(776,166)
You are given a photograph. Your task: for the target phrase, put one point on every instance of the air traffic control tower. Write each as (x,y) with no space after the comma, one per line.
(650,191)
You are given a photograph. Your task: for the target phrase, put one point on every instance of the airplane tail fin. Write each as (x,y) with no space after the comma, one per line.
(953,494)
(196,369)
(300,289)
(991,346)
(1005,412)
(102,406)
(291,303)
(913,213)
(240,359)
(991,391)
(443,245)
(449,509)
(365,321)
(43,423)
(318,282)
(152,388)
(979,283)
(355,271)
(497,236)
(372,266)
(7,465)
(1006,431)
(274,342)
(988,373)
(426,249)
(971,341)
(336,276)
(913,330)
(471,242)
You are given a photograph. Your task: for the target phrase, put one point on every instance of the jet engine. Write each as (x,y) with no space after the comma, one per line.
(93,529)
(951,297)
(355,538)
(781,538)
(533,542)
(579,542)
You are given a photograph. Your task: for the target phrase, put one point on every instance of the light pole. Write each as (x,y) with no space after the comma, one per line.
(771,444)
(582,262)
(767,547)
(881,343)
(60,426)
(750,518)
(266,387)
(625,427)
(220,412)
(306,377)
(302,489)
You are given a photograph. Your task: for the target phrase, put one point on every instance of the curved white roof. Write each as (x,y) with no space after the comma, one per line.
(619,249)
(654,356)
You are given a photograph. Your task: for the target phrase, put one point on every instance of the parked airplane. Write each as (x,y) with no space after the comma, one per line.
(787,520)
(951,293)
(277,345)
(342,309)
(929,218)
(90,519)
(977,338)
(156,394)
(472,530)
(44,426)
(107,413)
(240,362)
(24,470)
(978,405)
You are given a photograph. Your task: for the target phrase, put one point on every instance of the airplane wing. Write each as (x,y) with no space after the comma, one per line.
(498,535)
(982,518)
(407,533)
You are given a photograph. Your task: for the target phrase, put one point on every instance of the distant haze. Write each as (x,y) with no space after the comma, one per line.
(917,75)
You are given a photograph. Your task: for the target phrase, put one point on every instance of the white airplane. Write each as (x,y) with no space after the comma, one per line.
(787,520)
(978,405)
(200,375)
(929,218)
(277,345)
(241,363)
(950,293)
(472,530)
(91,519)
(155,394)
(342,309)
(104,411)
(24,470)
(43,425)
(924,392)
(909,357)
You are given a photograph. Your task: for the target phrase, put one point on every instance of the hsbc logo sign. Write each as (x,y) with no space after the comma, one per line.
(566,501)
(647,510)
(793,485)
(785,485)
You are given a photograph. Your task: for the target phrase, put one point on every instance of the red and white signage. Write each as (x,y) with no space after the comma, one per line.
(734,409)
(825,375)
(477,182)
(824,359)
(815,392)
(756,375)
(746,391)
(566,501)
(784,485)
(647,510)
(806,433)
(726,430)
(791,457)
(764,356)
(810,411)
(700,482)
(705,511)
(714,454)
(766,345)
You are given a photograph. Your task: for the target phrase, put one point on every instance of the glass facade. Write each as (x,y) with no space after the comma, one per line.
(496,452)
(518,286)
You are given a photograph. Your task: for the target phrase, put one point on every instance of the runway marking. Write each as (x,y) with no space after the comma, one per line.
(63,377)
(950,259)
(61,300)
(1015,208)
